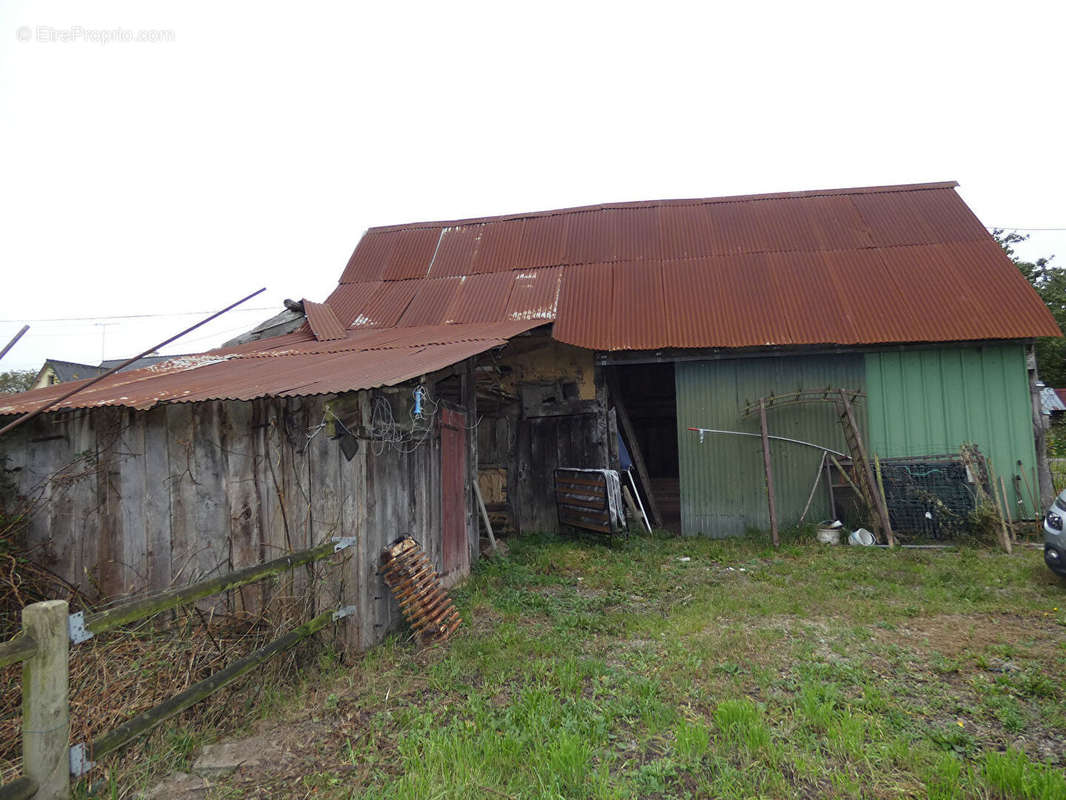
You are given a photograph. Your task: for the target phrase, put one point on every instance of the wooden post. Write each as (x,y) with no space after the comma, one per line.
(45,701)
(769,474)
(484,515)
(1006,508)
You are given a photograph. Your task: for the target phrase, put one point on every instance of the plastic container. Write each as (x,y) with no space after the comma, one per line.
(828,532)
(861,537)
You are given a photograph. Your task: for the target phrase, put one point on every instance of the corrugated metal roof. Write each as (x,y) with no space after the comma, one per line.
(844,266)
(291,365)
(323,321)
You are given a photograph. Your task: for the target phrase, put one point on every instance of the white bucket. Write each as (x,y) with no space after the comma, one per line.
(827,535)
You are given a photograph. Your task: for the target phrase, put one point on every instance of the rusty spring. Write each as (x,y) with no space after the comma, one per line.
(416,586)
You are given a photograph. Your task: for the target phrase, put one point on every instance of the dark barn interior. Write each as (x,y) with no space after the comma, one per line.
(649,396)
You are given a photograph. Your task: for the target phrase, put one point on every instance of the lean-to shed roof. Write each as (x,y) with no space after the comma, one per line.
(293,365)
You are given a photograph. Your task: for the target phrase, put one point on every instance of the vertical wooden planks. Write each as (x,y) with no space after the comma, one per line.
(237,439)
(156,501)
(211,515)
(131,479)
(180,480)
(106,566)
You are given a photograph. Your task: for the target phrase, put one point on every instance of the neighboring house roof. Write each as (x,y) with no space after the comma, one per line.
(147,361)
(845,266)
(293,365)
(1051,400)
(68,370)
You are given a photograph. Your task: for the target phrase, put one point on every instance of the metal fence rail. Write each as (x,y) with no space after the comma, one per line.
(48,630)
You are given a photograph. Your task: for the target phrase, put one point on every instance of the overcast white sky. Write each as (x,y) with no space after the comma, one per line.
(256,147)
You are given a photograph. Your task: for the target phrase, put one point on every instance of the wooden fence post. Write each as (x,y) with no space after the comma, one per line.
(45,701)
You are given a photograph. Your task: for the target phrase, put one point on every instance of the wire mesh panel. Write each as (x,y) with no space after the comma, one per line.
(930,497)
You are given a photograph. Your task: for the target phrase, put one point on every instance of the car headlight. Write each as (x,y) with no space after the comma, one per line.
(1053,521)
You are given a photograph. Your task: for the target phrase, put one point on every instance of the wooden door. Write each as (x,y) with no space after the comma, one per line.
(455,551)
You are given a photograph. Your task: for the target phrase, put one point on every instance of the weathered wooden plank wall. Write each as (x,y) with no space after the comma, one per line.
(131,502)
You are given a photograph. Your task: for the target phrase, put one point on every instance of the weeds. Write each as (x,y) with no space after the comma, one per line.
(587,671)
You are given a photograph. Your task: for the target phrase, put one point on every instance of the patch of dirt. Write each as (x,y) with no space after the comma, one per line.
(952,634)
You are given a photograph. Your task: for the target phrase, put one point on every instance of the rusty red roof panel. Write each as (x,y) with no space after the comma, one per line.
(371,255)
(481,298)
(388,304)
(412,255)
(324,323)
(543,242)
(430,304)
(455,253)
(295,367)
(349,299)
(534,294)
(498,247)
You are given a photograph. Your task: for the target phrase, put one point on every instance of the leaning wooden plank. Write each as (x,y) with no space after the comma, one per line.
(879,506)
(17,649)
(147,720)
(145,607)
(19,789)
(769,474)
(635,453)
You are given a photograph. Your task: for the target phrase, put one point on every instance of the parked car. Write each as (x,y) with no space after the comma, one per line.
(1055,536)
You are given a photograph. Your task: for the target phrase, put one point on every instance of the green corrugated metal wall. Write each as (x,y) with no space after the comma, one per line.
(920,402)
(723,489)
(931,401)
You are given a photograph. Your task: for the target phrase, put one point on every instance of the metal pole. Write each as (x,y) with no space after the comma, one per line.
(52,403)
(702,431)
(14,339)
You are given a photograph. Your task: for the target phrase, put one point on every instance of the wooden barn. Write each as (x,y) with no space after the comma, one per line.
(499,349)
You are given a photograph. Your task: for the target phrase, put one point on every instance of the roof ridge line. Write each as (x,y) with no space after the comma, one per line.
(639,204)
(664,260)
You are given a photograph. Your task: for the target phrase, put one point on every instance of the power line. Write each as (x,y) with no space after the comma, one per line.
(132,316)
(1019,228)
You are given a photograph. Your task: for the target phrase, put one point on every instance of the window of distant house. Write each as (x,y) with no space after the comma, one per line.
(53,380)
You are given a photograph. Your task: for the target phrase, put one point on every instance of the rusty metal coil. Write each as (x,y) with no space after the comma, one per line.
(416,586)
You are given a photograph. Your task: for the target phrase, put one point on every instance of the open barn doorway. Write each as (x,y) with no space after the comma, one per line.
(644,399)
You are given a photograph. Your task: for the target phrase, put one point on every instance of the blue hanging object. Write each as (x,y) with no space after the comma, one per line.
(624,460)
(418,402)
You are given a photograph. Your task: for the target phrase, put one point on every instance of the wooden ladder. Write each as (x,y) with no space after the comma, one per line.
(863,472)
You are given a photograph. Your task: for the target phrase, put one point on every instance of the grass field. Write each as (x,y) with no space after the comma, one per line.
(697,668)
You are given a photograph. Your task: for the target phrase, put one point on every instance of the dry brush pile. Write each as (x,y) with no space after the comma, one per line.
(122,673)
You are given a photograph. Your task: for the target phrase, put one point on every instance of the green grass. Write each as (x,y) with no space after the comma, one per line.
(587,671)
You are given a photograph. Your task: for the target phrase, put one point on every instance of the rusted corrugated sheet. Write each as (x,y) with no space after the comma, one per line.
(348,299)
(481,298)
(845,266)
(455,254)
(323,321)
(430,304)
(534,294)
(387,305)
(295,366)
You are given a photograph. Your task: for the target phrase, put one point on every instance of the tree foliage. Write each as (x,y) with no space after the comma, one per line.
(1050,283)
(16,380)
